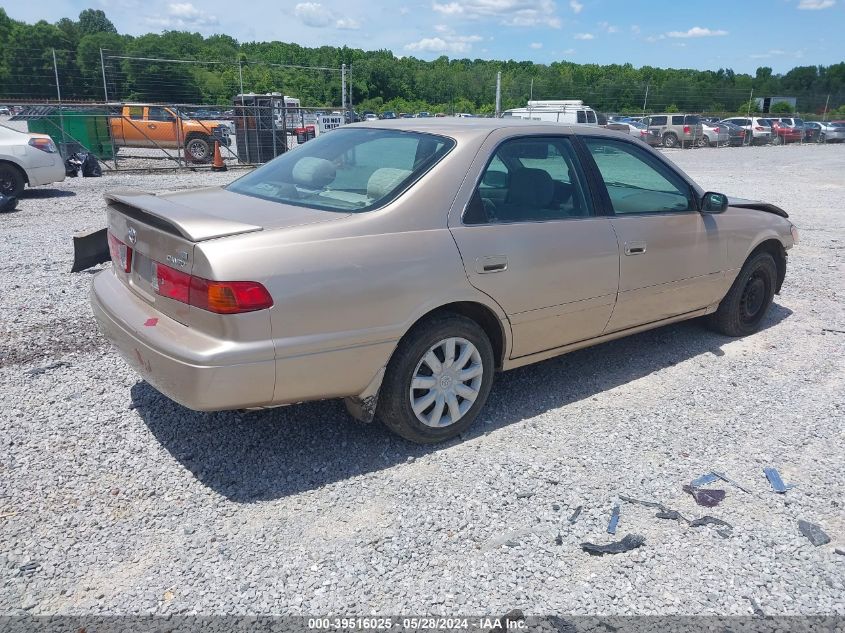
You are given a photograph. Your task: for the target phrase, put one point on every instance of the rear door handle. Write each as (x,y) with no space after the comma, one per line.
(491,264)
(634,248)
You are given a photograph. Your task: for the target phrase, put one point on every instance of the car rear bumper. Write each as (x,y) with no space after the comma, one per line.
(46,174)
(176,359)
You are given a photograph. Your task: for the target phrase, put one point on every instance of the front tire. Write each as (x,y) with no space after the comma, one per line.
(198,149)
(670,140)
(437,380)
(744,307)
(777,140)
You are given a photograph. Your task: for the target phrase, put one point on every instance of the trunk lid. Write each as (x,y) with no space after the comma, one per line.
(165,228)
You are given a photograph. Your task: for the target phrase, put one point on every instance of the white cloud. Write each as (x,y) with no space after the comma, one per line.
(404,10)
(184,16)
(770,53)
(575,6)
(536,45)
(815,5)
(608,27)
(635,29)
(442,28)
(697,31)
(508,12)
(584,36)
(448,43)
(312,14)
(348,24)
(569,51)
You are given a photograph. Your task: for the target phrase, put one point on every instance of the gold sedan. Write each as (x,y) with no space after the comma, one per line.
(400,264)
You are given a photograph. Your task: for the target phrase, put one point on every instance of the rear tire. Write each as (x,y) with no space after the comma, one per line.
(670,140)
(12,181)
(821,137)
(744,307)
(777,140)
(438,398)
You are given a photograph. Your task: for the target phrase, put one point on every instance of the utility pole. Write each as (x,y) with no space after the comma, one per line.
(244,119)
(343,89)
(105,86)
(826,103)
(498,94)
(531,92)
(645,101)
(59,95)
(351,107)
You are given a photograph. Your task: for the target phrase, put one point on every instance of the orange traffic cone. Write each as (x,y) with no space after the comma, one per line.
(217,164)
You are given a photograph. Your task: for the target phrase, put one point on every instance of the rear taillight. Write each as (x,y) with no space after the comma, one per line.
(44,144)
(716,130)
(686,129)
(758,128)
(221,297)
(121,254)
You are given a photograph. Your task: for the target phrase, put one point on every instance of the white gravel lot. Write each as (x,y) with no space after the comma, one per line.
(115,500)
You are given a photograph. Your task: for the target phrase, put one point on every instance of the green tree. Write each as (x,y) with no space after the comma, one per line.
(781,107)
(95,21)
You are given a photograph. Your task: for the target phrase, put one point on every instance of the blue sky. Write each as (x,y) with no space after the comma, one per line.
(738,34)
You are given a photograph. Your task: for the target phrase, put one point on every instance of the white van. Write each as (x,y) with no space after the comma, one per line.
(567,111)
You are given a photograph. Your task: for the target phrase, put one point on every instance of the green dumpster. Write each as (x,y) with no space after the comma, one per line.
(85,130)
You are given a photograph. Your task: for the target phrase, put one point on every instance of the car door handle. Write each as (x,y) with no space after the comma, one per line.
(491,264)
(152,126)
(634,248)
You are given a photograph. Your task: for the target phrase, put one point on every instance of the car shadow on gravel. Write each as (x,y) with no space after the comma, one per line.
(257,456)
(38,194)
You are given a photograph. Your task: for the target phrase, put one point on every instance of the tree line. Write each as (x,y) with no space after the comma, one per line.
(378,80)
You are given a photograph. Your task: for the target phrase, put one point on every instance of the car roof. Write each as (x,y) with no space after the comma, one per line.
(468,128)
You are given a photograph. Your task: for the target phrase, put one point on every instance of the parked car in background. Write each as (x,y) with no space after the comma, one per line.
(783,133)
(736,134)
(759,129)
(27,159)
(400,265)
(824,132)
(562,111)
(163,127)
(676,129)
(713,134)
(795,123)
(637,130)
(4,111)
(390,114)
(423,115)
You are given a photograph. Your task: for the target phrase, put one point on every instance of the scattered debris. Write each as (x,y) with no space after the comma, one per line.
(706,497)
(629,542)
(524,495)
(647,504)
(727,479)
(813,532)
(7,203)
(758,612)
(708,520)
(774,478)
(555,507)
(575,514)
(841,552)
(558,539)
(614,519)
(508,621)
(705,479)
(671,514)
(41,370)
(151,322)
(826,329)
(511,543)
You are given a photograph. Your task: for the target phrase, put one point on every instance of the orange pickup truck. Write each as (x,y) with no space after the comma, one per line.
(167,128)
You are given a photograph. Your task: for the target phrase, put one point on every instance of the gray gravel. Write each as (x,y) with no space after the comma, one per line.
(115,500)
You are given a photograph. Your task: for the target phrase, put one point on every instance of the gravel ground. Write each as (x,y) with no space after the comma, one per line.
(115,500)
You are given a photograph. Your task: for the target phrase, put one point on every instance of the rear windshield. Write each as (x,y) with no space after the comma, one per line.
(350,170)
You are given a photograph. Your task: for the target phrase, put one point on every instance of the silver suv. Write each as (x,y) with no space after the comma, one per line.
(676,129)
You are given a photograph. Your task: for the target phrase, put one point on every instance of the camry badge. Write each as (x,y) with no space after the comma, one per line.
(132,235)
(179,259)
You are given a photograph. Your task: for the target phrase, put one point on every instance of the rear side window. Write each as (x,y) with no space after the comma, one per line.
(591,116)
(678,120)
(637,182)
(692,119)
(581,116)
(530,180)
(657,120)
(136,112)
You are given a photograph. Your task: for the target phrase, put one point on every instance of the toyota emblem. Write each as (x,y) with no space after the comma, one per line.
(131,235)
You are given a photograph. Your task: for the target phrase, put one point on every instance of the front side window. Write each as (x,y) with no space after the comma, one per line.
(348,170)
(530,180)
(637,182)
(136,112)
(658,120)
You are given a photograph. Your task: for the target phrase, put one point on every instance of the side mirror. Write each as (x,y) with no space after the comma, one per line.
(712,202)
